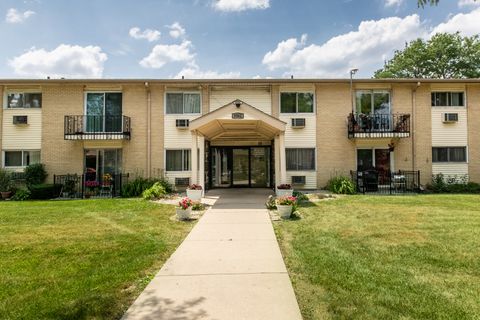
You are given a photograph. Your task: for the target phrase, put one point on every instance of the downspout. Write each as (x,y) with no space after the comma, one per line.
(149,129)
(412,124)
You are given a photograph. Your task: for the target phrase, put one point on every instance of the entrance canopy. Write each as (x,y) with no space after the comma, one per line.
(237,121)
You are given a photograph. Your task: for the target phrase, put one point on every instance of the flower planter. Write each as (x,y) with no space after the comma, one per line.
(284,211)
(195,195)
(284,192)
(6,194)
(183,214)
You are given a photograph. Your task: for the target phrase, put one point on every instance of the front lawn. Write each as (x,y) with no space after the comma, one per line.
(404,257)
(81,259)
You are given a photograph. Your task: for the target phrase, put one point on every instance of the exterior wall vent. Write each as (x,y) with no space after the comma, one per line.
(19,120)
(450,117)
(182,182)
(298,180)
(298,123)
(182,123)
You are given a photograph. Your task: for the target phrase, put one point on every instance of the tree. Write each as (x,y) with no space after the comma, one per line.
(423,3)
(444,56)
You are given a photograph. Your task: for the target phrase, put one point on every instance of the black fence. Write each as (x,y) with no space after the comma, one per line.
(386,182)
(79,186)
(97,127)
(378,125)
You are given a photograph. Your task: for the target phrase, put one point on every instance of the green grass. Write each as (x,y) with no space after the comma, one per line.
(81,259)
(405,257)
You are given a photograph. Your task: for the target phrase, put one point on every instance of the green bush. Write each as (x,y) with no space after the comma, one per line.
(341,185)
(21,195)
(440,184)
(5,180)
(154,192)
(44,191)
(136,187)
(300,196)
(198,206)
(35,174)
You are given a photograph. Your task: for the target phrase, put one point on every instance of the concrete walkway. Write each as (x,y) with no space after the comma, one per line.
(229,267)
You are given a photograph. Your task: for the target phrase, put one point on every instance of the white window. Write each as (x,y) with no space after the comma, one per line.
(182,103)
(372,102)
(449,154)
(20,158)
(177,160)
(448,99)
(300,159)
(296,102)
(24,100)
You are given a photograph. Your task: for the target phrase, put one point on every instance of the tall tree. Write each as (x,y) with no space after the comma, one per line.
(444,56)
(423,3)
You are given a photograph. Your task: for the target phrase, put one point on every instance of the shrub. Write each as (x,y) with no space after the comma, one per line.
(21,195)
(300,196)
(154,192)
(271,204)
(136,187)
(198,206)
(5,180)
(44,191)
(286,201)
(341,185)
(35,174)
(452,184)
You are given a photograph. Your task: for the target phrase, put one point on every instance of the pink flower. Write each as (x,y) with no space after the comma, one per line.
(185,203)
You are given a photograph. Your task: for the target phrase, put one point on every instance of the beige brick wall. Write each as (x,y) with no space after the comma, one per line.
(60,156)
(402,103)
(335,152)
(157,132)
(473,109)
(275,92)
(423,134)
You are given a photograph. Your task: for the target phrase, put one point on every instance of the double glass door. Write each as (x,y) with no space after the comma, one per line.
(240,167)
(103,112)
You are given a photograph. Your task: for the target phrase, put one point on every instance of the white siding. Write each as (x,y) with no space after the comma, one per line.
(177,138)
(22,137)
(449,134)
(297,138)
(450,169)
(310,179)
(171,175)
(258,98)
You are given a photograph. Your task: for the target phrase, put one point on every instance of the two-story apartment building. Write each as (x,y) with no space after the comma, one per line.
(242,133)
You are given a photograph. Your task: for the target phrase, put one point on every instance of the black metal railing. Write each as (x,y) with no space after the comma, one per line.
(88,185)
(86,127)
(378,125)
(386,182)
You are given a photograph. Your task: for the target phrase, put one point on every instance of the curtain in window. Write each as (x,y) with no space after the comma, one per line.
(191,103)
(174,103)
(31,157)
(456,99)
(174,160)
(300,159)
(13,158)
(32,100)
(458,154)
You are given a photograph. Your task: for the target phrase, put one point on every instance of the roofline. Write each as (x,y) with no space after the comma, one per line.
(230,81)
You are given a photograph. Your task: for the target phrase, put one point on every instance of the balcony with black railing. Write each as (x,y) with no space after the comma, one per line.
(87,127)
(369,126)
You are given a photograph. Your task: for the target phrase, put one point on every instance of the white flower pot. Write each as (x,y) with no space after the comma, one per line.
(195,195)
(183,214)
(284,211)
(284,192)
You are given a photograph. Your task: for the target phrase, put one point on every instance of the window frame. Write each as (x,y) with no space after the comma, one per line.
(183,101)
(184,157)
(23,165)
(8,92)
(448,154)
(372,92)
(303,170)
(296,103)
(449,99)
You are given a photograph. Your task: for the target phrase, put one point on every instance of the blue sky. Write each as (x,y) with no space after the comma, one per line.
(215,38)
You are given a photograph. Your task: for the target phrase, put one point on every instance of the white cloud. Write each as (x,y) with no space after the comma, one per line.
(64,61)
(465,23)
(176,30)
(162,54)
(148,34)
(241,5)
(363,48)
(194,72)
(15,16)
(466,3)
(392,3)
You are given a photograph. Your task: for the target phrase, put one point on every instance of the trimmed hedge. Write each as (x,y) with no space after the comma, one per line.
(44,191)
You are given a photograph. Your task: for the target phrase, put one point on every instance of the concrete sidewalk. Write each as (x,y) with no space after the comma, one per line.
(229,267)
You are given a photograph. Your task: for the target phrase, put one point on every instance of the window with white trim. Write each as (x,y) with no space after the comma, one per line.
(182,103)
(20,158)
(24,100)
(449,154)
(300,159)
(296,102)
(448,99)
(177,160)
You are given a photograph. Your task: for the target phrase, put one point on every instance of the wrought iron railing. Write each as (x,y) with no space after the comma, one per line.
(386,182)
(378,125)
(88,185)
(87,127)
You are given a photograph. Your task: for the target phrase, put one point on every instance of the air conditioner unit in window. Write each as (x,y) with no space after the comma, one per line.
(298,123)
(182,123)
(450,117)
(298,180)
(20,119)
(182,182)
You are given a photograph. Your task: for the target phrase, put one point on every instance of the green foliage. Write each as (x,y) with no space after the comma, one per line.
(300,196)
(44,191)
(341,185)
(271,203)
(5,180)
(154,192)
(198,206)
(444,56)
(35,174)
(452,184)
(21,195)
(136,187)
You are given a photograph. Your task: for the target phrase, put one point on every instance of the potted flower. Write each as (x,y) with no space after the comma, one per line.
(184,209)
(284,190)
(91,187)
(194,192)
(107,179)
(285,206)
(5,184)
